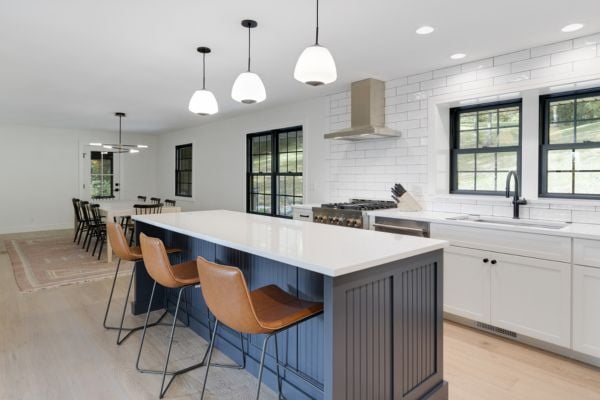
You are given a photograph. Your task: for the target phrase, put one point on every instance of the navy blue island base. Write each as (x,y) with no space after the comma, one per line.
(380,336)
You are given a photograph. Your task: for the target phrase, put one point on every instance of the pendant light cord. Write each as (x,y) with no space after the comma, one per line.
(203,71)
(120,118)
(317,35)
(249,28)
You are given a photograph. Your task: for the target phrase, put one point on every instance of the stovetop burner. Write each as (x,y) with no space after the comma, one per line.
(359,204)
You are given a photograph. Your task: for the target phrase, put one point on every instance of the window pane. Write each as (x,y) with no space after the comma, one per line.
(255,145)
(283,143)
(96,166)
(468,121)
(561,111)
(487,119)
(587,182)
(486,162)
(466,181)
(508,136)
(486,181)
(291,141)
(560,160)
(300,162)
(468,140)
(507,161)
(297,186)
(562,133)
(509,117)
(466,162)
(283,166)
(559,182)
(588,108)
(588,131)
(292,162)
(267,185)
(587,160)
(488,138)
(255,163)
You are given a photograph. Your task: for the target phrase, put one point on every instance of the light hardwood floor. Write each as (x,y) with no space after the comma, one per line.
(52,346)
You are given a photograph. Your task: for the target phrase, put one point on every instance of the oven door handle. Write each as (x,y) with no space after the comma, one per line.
(399,228)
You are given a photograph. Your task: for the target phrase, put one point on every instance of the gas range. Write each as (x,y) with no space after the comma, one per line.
(351,214)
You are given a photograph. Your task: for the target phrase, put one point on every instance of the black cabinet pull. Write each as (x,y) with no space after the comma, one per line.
(485,260)
(494,261)
(304,216)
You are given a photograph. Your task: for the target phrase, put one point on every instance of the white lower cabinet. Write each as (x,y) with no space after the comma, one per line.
(526,295)
(532,297)
(586,310)
(467,284)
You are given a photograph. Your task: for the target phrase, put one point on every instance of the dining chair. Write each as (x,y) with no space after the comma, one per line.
(142,198)
(170,203)
(78,219)
(155,200)
(99,229)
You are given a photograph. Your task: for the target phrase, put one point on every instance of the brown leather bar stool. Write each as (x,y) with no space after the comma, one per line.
(117,239)
(267,310)
(180,276)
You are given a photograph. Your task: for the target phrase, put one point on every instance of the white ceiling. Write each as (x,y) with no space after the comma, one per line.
(72,63)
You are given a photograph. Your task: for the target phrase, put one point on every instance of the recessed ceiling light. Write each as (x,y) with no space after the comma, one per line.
(425,30)
(458,56)
(572,28)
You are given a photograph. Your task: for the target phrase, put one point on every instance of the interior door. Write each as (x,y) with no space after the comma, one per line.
(99,173)
(467,283)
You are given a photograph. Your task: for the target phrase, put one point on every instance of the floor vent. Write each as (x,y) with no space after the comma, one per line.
(495,329)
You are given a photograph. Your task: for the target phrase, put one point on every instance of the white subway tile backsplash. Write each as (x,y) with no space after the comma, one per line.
(532,63)
(552,48)
(477,65)
(512,57)
(583,53)
(368,169)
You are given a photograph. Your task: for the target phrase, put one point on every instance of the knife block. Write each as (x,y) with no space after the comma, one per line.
(407,202)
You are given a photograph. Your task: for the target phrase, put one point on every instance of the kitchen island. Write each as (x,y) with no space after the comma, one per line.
(380,336)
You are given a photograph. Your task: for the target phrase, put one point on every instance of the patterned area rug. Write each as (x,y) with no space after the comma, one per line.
(43,260)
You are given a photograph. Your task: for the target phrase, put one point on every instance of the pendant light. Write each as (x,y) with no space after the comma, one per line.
(316,66)
(120,147)
(248,88)
(203,102)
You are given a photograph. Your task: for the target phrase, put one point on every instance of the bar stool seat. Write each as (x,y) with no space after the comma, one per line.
(276,309)
(268,310)
(185,274)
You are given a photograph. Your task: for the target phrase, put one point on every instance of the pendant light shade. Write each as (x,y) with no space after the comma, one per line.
(315,65)
(248,88)
(203,102)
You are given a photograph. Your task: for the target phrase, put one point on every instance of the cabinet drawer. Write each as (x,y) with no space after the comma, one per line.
(586,252)
(303,215)
(546,247)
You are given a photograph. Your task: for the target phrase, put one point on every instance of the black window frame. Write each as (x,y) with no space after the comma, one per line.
(275,173)
(455,150)
(178,170)
(545,145)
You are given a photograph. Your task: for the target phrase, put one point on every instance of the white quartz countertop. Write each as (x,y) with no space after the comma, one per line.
(326,249)
(575,230)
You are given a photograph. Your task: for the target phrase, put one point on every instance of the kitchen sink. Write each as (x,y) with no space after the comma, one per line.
(510,221)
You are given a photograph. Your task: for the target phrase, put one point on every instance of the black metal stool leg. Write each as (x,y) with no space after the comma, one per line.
(210,352)
(137,362)
(280,395)
(262,365)
(163,389)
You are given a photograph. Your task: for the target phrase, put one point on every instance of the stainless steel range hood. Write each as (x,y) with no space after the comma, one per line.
(367,113)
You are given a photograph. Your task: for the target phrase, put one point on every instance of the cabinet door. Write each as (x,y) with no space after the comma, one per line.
(467,284)
(532,297)
(586,310)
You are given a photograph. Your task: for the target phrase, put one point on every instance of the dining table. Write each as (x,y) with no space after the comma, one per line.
(114,209)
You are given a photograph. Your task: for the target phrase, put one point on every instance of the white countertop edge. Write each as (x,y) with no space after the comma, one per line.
(436,245)
(573,230)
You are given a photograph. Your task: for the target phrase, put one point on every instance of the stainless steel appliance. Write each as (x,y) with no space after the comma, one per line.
(351,214)
(401,226)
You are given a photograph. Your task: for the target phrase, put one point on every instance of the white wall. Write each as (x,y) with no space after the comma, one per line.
(219,155)
(418,105)
(39,174)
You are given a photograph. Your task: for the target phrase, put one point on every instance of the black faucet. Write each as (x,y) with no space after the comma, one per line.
(516,201)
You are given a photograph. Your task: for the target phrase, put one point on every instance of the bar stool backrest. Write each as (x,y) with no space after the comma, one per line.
(170,203)
(226,293)
(118,241)
(142,209)
(157,262)
(142,198)
(155,200)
